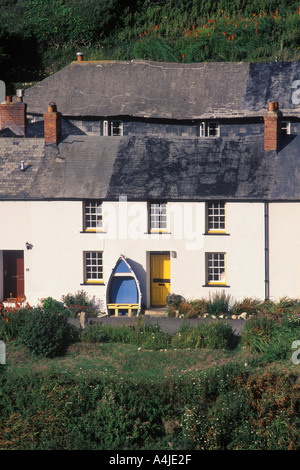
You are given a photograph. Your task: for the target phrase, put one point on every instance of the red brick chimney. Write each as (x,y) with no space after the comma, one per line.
(13,116)
(272,126)
(52,125)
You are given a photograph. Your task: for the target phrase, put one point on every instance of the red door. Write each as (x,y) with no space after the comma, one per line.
(13,264)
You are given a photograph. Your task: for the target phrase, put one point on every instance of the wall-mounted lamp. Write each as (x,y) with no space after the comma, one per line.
(29,246)
(174,254)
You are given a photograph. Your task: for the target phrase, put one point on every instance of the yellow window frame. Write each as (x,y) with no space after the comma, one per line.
(216,283)
(216,231)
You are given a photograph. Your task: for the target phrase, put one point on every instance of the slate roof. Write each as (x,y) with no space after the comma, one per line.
(157,167)
(15,183)
(151,168)
(167,90)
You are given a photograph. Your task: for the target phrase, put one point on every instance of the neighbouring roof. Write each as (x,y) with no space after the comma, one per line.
(167,90)
(150,168)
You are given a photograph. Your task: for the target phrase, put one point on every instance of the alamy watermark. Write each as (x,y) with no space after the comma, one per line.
(296,93)
(130,221)
(295,358)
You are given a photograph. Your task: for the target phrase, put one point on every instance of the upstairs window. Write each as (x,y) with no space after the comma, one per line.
(158,217)
(209,129)
(216,217)
(92,215)
(113,128)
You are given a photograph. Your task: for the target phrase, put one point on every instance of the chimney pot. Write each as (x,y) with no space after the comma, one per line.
(52,108)
(20,94)
(273,106)
(79,56)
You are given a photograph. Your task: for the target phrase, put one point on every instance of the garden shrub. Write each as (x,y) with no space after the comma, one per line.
(213,335)
(12,322)
(258,331)
(46,333)
(78,302)
(248,305)
(200,306)
(271,337)
(51,305)
(218,303)
(147,336)
(251,412)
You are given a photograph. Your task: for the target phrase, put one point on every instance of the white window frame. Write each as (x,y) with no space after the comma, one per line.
(92,215)
(109,128)
(209,129)
(216,217)
(158,217)
(216,271)
(93,267)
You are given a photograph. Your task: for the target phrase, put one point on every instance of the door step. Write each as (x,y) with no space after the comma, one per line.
(157,311)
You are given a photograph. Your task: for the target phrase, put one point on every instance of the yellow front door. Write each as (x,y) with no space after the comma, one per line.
(160,279)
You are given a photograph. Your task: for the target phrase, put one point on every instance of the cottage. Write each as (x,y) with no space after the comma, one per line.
(189,172)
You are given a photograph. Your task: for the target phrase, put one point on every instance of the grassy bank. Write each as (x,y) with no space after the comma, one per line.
(135,388)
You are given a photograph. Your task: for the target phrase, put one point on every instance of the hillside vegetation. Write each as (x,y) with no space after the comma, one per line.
(37,37)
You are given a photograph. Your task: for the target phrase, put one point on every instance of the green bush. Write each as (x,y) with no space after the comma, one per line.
(46,333)
(213,335)
(218,303)
(147,336)
(245,411)
(263,334)
(12,323)
(52,305)
(78,302)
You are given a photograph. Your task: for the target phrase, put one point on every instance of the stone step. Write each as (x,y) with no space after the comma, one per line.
(157,312)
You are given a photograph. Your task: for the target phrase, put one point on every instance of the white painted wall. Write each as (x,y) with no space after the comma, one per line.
(54,266)
(284,250)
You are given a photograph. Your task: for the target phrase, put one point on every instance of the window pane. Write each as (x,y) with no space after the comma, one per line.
(215,267)
(93,266)
(158,216)
(216,219)
(93,215)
